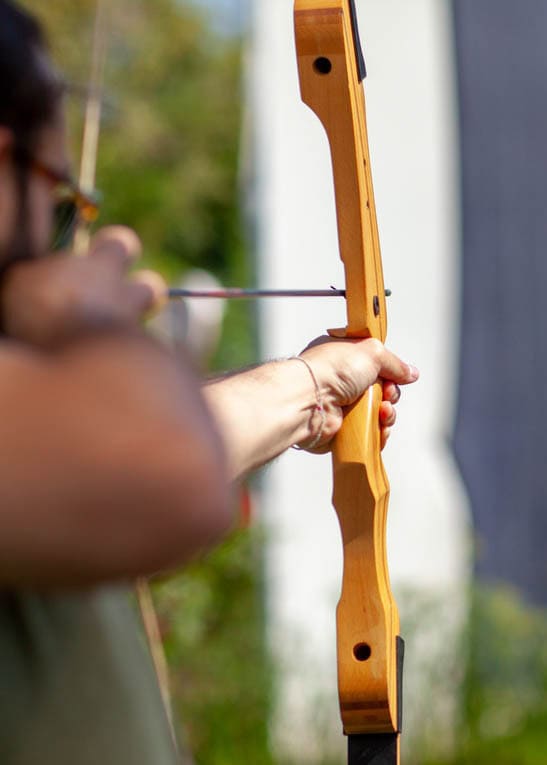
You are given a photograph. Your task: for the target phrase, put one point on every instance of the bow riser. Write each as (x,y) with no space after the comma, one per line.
(369,650)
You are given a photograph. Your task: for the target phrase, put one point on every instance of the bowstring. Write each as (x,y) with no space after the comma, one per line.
(87,179)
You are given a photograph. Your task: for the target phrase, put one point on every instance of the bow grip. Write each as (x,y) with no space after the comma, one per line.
(367,615)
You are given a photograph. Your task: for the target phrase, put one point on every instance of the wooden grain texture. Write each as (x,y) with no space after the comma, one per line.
(367,615)
(337,98)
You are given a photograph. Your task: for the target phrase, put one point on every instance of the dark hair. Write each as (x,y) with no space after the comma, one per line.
(30,89)
(30,92)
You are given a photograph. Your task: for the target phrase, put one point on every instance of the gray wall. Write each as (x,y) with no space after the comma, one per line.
(501,433)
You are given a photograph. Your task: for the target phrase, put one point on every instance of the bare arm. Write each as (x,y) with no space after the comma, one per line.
(111,465)
(263,411)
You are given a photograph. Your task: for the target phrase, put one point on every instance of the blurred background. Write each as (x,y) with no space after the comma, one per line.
(206,150)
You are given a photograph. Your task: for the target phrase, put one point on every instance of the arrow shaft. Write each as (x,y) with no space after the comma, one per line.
(242,294)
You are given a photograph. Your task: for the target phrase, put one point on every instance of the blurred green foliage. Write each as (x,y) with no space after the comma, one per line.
(504,709)
(168,158)
(214,641)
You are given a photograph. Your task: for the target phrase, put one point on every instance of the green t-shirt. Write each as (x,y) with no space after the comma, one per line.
(76,683)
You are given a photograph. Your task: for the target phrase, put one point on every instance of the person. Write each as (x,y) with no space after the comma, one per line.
(117,461)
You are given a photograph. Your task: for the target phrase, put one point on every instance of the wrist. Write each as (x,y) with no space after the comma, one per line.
(317,416)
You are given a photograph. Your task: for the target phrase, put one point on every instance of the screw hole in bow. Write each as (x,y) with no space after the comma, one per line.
(322,65)
(362,651)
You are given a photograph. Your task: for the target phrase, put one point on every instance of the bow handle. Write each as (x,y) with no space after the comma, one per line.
(367,617)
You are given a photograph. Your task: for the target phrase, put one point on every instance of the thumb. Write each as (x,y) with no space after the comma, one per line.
(391,367)
(149,290)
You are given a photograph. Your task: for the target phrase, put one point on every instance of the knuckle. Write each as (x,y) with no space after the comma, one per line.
(376,349)
(119,239)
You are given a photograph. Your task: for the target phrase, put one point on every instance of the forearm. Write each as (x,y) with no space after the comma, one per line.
(263,411)
(112,465)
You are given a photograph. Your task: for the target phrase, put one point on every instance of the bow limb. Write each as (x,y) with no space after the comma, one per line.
(369,647)
(86,180)
(92,120)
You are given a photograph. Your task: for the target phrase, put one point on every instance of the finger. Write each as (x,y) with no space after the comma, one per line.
(391,367)
(388,415)
(391,391)
(385,433)
(150,291)
(118,245)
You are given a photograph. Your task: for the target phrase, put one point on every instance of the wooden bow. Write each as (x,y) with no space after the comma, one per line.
(92,121)
(370,651)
